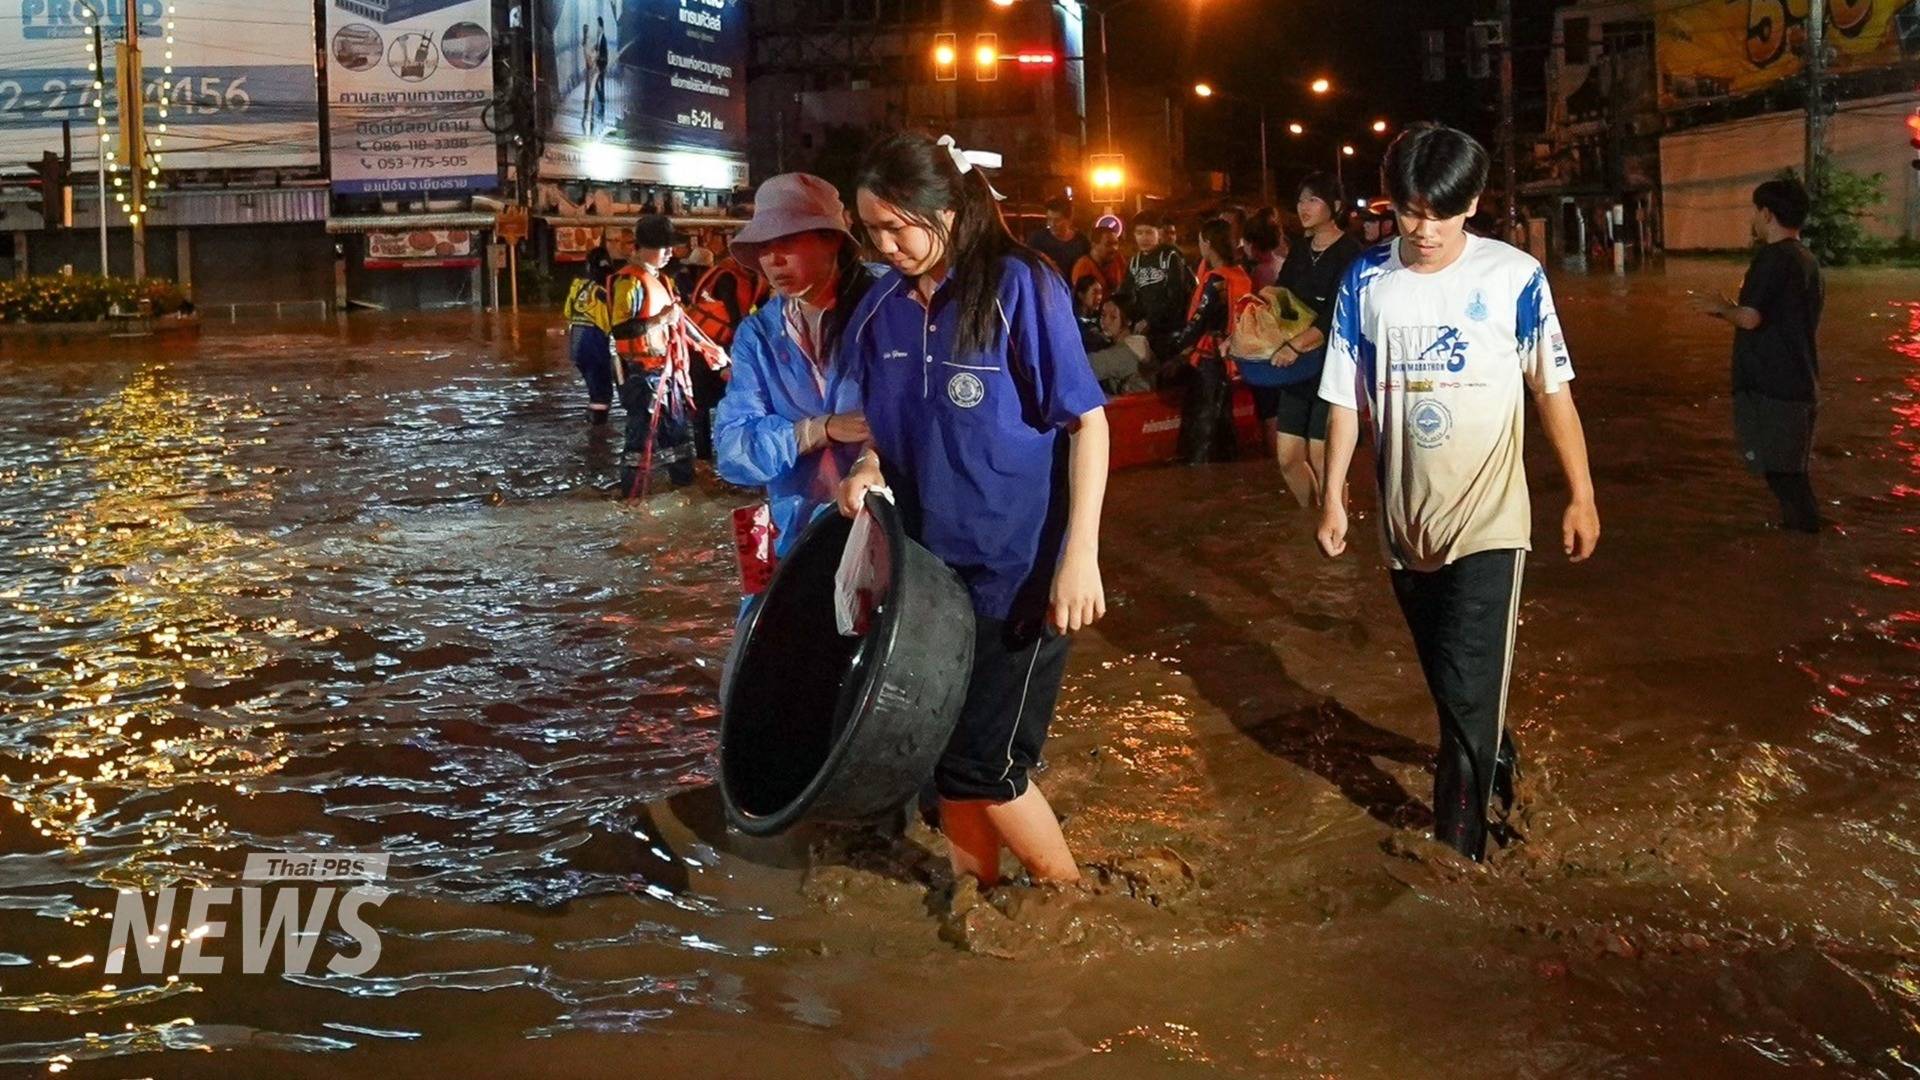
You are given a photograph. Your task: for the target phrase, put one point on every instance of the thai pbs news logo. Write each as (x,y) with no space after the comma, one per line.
(209,927)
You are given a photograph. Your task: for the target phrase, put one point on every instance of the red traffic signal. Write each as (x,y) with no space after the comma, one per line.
(1035,59)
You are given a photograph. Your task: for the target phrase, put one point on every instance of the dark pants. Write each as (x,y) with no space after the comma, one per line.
(672,439)
(708,389)
(1799,510)
(592,354)
(1206,416)
(1463,617)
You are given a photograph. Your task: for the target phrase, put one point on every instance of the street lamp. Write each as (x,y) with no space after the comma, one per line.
(1321,85)
(1295,128)
(1206,90)
(1379,127)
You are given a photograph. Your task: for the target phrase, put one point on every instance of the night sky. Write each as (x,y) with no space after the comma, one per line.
(1274,48)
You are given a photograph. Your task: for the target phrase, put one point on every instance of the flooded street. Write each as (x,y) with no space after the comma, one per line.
(325,587)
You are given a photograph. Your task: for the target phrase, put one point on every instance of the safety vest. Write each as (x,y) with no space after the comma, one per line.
(640,295)
(1239,287)
(587,305)
(724,296)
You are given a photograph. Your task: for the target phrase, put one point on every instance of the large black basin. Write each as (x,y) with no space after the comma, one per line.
(819,725)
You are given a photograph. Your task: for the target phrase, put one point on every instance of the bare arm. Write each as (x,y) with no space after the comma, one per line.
(1580,527)
(1302,343)
(1343,434)
(1079,599)
(1744,318)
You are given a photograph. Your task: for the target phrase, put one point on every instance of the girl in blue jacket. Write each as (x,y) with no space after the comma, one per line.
(791,419)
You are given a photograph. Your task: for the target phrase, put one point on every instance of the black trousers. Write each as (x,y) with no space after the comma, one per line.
(1463,618)
(672,441)
(1799,510)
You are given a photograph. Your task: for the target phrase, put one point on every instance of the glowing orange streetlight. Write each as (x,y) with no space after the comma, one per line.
(1379,127)
(1347,149)
(1202,90)
(1321,85)
(1295,128)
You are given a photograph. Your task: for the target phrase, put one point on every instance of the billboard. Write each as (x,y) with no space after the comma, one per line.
(232,102)
(408,86)
(652,90)
(1712,49)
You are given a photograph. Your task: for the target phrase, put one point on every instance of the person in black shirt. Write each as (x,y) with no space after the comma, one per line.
(1288,392)
(1058,241)
(1159,285)
(1776,360)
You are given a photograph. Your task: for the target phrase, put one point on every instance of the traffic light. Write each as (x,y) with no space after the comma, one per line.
(946,57)
(56,199)
(986,57)
(1108,174)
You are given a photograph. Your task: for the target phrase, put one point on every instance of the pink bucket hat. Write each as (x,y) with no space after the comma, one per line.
(787,204)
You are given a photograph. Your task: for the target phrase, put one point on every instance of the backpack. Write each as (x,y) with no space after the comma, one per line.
(1264,321)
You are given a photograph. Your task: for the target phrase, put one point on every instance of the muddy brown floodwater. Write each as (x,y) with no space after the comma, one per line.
(310,588)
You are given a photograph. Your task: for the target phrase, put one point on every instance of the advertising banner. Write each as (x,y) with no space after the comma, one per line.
(408,82)
(1726,48)
(421,248)
(651,90)
(239,101)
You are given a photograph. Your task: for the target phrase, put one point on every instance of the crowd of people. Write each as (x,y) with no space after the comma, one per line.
(916,343)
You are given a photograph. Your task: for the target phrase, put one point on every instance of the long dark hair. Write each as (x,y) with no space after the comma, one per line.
(852,285)
(919,178)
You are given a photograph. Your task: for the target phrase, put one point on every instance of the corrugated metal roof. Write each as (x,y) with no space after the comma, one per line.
(244,207)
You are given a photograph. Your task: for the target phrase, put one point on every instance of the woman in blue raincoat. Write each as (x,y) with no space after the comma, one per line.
(791,419)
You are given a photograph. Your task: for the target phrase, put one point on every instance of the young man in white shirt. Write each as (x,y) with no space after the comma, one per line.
(1440,336)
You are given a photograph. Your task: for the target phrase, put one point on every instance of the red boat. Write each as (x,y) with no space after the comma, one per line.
(1146,427)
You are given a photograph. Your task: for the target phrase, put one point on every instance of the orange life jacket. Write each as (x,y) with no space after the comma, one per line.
(725,296)
(1239,287)
(638,295)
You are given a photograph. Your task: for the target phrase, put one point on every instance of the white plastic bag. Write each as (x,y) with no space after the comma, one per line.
(866,569)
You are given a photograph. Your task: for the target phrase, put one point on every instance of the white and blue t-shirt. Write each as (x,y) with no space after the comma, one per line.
(1441,362)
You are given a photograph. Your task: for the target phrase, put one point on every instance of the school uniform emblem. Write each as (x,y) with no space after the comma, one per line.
(1432,423)
(966,390)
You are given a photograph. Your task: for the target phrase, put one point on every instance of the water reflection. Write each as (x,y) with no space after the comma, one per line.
(355,589)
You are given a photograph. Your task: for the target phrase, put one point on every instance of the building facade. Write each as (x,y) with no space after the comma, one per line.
(329,154)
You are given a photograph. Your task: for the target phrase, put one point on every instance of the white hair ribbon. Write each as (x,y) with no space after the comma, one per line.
(964,164)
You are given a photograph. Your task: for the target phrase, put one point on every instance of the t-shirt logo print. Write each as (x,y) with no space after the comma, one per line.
(966,390)
(1432,423)
(1450,345)
(1477,306)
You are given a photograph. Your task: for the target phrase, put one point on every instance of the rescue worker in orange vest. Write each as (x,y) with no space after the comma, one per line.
(1206,424)
(646,312)
(720,301)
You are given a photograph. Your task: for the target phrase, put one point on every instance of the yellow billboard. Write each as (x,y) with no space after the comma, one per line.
(1710,49)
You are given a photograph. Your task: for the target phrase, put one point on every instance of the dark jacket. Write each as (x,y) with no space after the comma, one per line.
(1159,284)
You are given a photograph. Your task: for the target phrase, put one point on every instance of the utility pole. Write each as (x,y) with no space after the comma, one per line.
(1816,80)
(1509,165)
(100,146)
(133,135)
(1106,90)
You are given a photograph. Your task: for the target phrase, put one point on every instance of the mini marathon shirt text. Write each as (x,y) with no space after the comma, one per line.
(1441,363)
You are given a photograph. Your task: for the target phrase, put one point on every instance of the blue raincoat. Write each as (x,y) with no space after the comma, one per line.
(773,389)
